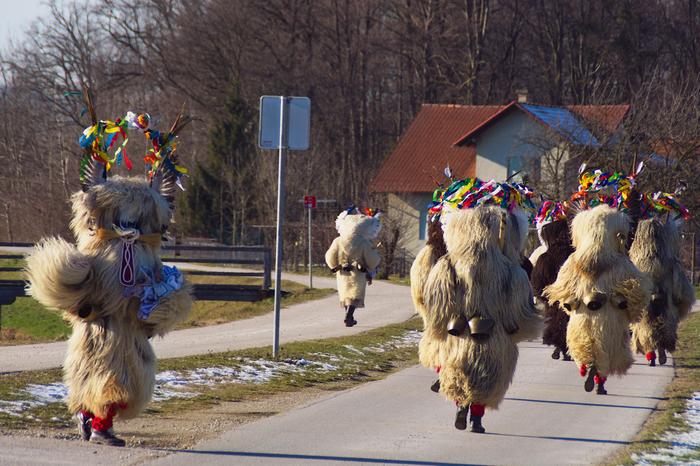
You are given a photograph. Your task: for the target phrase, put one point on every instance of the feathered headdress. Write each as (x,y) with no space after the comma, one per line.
(660,203)
(99,139)
(600,187)
(472,192)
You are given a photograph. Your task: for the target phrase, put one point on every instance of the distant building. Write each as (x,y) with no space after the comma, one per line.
(487,141)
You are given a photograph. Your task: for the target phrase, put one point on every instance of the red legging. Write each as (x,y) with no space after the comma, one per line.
(477,410)
(104,423)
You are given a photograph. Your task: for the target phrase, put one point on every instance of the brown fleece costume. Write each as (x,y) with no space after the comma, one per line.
(656,252)
(557,239)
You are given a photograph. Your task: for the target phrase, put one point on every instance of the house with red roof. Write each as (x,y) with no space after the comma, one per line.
(518,140)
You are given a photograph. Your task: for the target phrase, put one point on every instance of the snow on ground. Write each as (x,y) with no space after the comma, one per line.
(180,384)
(189,383)
(682,444)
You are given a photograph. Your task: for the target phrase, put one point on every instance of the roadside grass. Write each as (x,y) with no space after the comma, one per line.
(344,362)
(324,272)
(398,280)
(217,312)
(668,415)
(27,321)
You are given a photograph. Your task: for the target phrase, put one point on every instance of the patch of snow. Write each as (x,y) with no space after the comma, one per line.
(682,443)
(188,384)
(49,393)
(39,395)
(353,349)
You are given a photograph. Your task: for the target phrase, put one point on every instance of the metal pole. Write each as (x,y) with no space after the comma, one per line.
(311,279)
(280,218)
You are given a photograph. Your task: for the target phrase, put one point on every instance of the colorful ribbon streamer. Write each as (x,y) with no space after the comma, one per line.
(660,203)
(472,192)
(550,212)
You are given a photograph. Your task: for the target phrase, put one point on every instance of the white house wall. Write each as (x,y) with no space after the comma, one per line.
(410,211)
(514,136)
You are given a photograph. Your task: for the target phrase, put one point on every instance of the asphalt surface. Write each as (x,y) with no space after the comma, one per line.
(547,418)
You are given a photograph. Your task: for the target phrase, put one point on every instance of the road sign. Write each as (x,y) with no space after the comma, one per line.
(284,125)
(297,120)
(310,202)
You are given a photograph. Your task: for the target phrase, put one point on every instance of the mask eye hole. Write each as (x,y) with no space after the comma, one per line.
(128,224)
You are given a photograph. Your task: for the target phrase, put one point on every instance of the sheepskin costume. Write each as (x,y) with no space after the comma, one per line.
(110,364)
(429,346)
(352,256)
(603,292)
(656,252)
(481,293)
(111,284)
(557,239)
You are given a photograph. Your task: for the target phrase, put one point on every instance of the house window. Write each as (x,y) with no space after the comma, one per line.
(422,225)
(515,164)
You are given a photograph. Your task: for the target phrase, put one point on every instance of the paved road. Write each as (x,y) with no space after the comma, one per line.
(386,304)
(547,418)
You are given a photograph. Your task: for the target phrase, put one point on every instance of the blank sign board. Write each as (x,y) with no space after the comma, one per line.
(297,115)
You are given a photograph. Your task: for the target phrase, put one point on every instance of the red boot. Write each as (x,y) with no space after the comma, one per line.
(102,432)
(600,382)
(476,413)
(583,370)
(651,358)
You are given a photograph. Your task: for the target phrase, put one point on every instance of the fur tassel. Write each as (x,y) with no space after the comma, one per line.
(60,277)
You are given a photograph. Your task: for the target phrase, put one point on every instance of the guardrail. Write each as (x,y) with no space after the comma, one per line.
(193,260)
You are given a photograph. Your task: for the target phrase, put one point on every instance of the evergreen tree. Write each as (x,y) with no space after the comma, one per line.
(218,202)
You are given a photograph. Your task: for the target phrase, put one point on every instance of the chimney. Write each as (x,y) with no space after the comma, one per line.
(521,95)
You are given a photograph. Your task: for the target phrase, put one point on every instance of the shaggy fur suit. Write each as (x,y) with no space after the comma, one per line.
(656,252)
(557,240)
(353,254)
(480,276)
(430,343)
(601,290)
(110,365)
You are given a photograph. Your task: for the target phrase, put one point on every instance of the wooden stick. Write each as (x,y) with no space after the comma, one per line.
(87,96)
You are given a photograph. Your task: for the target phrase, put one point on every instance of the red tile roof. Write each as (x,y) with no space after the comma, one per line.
(427,147)
(607,117)
(430,142)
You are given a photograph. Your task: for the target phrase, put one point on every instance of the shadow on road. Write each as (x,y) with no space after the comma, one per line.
(566,439)
(580,403)
(349,459)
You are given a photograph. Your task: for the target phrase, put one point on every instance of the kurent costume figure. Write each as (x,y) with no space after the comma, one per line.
(480,295)
(353,258)
(598,286)
(554,231)
(111,284)
(656,252)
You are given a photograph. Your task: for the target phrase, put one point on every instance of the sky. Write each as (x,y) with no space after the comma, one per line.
(16,16)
